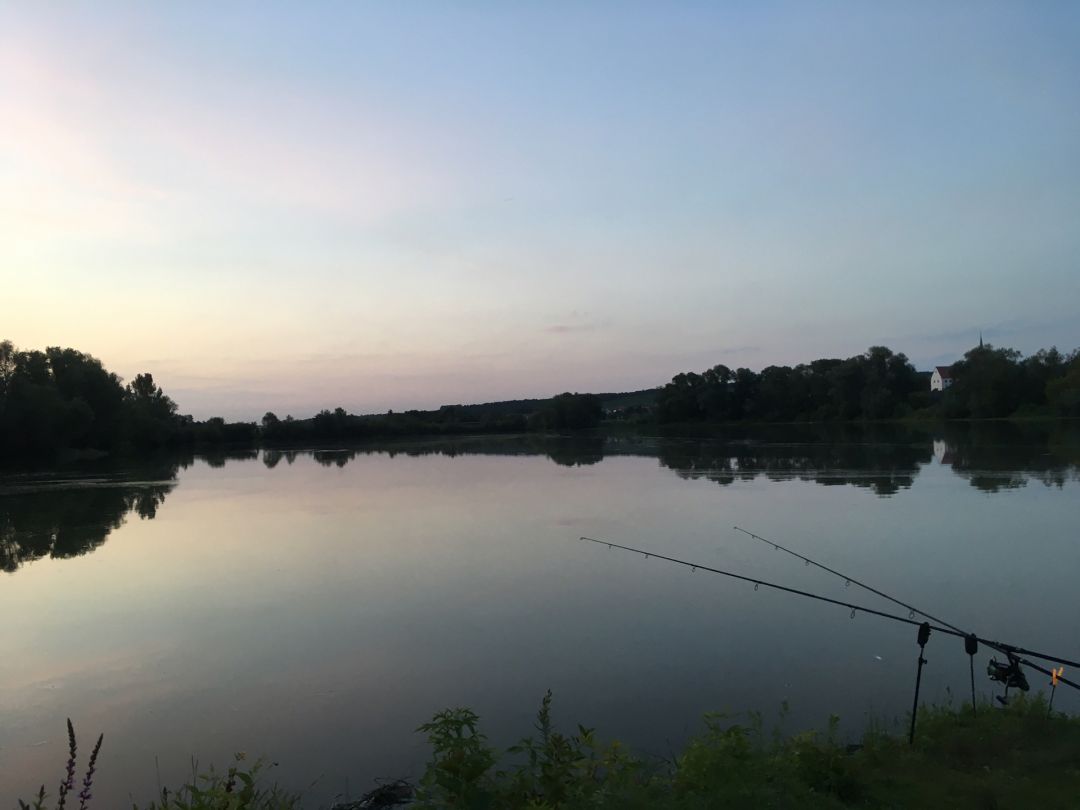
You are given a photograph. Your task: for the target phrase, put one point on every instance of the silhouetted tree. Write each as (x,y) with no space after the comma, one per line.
(569,412)
(876,385)
(1063,393)
(988,382)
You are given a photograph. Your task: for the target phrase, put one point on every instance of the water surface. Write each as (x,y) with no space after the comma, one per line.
(317,606)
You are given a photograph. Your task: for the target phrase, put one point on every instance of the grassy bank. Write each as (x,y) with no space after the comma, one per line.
(1001,758)
(1017,757)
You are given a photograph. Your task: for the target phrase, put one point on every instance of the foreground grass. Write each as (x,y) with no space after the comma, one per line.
(1004,758)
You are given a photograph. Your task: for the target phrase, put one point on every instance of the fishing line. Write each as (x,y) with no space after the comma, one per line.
(971,644)
(849,579)
(855,608)
(1000,646)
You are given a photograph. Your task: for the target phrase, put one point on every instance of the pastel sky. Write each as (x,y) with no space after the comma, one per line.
(290,206)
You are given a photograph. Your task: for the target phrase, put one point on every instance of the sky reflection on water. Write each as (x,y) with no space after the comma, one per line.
(318,606)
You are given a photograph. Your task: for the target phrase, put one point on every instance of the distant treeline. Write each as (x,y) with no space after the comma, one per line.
(878,384)
(563,412)
(62,399)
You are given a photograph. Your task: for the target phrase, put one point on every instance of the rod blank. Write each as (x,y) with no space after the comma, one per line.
(944,629)
(997,645)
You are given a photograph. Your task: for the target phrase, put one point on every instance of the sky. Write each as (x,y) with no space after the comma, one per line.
(287,207)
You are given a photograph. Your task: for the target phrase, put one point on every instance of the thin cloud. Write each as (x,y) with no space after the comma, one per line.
(567,328)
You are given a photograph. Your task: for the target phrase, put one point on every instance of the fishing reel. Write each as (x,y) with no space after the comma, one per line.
(1009,674)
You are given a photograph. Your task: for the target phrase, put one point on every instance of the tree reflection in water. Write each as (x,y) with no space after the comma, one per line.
(62,517)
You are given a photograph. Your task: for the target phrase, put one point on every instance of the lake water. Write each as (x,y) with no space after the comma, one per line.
(316,607)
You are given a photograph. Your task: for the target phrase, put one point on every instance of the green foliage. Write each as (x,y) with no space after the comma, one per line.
(38,802)
(563,412)
(568,412)
(62,399)
(1063,393)
(239,788)
(988,382)
(875,385)
(993,383)
(151,415)
(878,385)
(1020,756)
(552,770)
(566,771)
(457,775)
(1014,757)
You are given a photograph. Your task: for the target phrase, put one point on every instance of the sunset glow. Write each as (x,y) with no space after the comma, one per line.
(380,207)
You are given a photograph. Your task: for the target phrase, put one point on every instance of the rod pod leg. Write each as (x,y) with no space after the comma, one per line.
(971,646)
(924,636)
(1055,674)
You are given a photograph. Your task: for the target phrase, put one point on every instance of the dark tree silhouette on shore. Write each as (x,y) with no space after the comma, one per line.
(876,385)
(62,399)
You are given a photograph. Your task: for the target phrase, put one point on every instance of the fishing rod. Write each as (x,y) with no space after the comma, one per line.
(854,608)
(1008,674)
(847,579)
(997,645)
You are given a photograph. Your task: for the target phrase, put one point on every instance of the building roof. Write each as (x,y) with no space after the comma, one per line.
(945,372)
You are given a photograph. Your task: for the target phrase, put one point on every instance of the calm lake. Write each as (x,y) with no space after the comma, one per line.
(317,606)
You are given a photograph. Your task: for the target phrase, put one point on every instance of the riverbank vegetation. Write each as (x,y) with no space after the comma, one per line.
(62,400)
(1019,756)
(879,385)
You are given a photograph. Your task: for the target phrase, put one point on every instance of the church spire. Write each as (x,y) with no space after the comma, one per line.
(980,339)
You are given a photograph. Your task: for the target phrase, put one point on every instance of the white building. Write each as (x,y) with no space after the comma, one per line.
(941,378)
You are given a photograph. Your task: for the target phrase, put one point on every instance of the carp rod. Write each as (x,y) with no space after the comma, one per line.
(854,608)
(996,645)
(849,580)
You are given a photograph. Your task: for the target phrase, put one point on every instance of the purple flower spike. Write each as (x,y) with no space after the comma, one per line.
(69,777)
(84,795)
